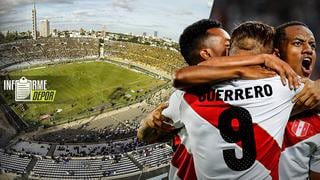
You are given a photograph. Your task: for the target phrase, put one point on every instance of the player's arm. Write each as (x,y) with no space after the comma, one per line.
(202,74)
(154,128)
(233,67)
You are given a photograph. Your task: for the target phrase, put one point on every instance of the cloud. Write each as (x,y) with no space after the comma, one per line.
(124,4)
(7,6)
(117,15)
(144,25)
(13,21)
(82,13)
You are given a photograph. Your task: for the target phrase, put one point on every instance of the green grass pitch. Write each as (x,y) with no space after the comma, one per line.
(84,88)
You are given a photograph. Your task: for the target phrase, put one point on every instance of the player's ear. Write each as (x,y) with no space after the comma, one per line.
(205,54)
(276,52)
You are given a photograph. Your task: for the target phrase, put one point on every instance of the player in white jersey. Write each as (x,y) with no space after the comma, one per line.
(224,148)
(206,43)
(243,120)
(211,41)
(297,46)
(301,151)
(183,161)
(297,43)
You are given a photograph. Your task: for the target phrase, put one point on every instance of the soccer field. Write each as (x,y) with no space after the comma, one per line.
(84,89)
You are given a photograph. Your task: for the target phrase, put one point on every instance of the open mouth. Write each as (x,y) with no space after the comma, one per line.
(306,66)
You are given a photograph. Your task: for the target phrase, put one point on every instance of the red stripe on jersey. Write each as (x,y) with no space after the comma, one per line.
(183,161)
(176,140)
(309,126)
(267,150)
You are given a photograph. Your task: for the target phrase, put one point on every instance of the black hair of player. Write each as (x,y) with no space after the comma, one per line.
(281,33)
(192,37)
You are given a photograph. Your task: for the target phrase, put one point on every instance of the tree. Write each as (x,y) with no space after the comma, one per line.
(10,36)
(2,38)
(82,31)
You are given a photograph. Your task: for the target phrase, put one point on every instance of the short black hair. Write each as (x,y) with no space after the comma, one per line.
(280,31)
(191,39)
(252,36)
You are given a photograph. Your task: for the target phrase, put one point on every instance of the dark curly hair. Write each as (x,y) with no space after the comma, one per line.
(192,37)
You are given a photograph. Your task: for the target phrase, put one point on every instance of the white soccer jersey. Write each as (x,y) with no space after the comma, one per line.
(234,130)
(301,148)
(182,165)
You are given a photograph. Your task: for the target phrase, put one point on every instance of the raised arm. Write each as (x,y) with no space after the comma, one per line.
(197,75)
(230,67)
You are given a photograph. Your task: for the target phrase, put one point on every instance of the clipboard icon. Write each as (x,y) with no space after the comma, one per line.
(23,89)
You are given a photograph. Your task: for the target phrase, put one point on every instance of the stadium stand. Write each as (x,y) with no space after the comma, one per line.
(13,163)
(47,49)
(112,147)
(60,166)
(153,155)
(121,130)
(166,60)
(28,147)
(84,168)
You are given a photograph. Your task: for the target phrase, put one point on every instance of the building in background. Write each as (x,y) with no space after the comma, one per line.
(44,28)
(103,32)
(34,22)
(155,34)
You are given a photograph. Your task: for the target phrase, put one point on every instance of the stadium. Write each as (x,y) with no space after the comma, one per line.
(104,83)
(103,90)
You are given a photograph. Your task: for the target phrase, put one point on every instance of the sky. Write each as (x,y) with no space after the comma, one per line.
(168,17)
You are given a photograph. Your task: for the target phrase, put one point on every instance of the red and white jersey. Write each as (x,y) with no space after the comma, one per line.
(234,130)
(182,166)
(301,145)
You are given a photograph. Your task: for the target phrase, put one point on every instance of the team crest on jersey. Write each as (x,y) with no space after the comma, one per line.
(300,128)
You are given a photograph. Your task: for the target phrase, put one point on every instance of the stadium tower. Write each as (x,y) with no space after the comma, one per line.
(34,21)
